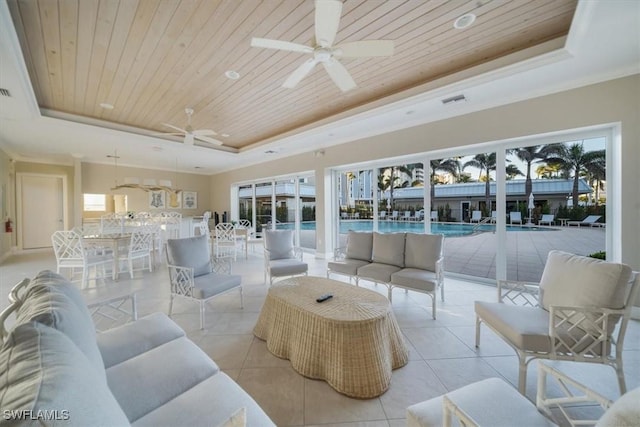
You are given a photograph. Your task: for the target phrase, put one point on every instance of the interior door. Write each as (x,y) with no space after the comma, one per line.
(42,200)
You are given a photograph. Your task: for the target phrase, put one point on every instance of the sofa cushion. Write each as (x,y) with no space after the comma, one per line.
(151,379)
(279,244)
(51,300)
(359,245)
(578,281)
(415,278)
(213,400)
(377,272)
(388,248)
(422,250)
(346,266)
(478,400)
(191,252)
(124,342)
(42,370)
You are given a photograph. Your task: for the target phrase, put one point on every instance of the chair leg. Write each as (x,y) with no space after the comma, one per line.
(433,305)
(171,305)
(131,268)
(522,374)
(621,381)
(390,293)
(442,291)
(478,322)
(241,298)
(202,314)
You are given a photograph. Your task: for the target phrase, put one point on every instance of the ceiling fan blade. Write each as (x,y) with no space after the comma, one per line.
(364,49)
(299,74)
(167,134)
(188,139)
(204,132)
(281,45)
(328,13)
(339,75)
(207,139)
(174,127)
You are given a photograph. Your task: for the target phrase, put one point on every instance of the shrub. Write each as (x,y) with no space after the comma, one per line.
(599,255)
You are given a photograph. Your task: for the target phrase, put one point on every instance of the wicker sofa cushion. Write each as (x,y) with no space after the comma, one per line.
(192,252)
(573,280)
(51,300)
(279,243)
(359,245)
(422,251)
(388,248)
(42,370)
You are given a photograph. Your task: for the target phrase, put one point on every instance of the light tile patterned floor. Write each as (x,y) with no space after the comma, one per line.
(442,352)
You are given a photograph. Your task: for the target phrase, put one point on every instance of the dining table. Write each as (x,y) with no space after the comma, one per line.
(115,241)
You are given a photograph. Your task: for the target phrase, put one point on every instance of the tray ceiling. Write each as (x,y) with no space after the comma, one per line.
(151,59)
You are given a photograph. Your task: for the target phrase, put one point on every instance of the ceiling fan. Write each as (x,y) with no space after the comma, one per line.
(327,21)
(191,134)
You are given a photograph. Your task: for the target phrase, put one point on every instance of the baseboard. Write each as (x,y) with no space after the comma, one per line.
(635,313)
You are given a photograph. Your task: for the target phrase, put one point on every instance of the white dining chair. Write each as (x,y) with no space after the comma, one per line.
(71,254)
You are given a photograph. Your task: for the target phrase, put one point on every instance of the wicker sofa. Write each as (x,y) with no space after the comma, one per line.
(410,261)
(56,369)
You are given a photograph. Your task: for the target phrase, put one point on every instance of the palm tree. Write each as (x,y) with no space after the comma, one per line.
(513,171)
(596,173)
(484,162)
(575,159)
(451,166)
(529,155)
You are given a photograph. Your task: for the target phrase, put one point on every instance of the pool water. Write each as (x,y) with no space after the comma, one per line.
(448,229)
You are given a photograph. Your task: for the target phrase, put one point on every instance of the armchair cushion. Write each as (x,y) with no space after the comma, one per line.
(422,250)
(360,245)
(214,284)
(41,369)
(287,267)
(388,248)
(578,281)
(191,252)
(51,300)
(279,244)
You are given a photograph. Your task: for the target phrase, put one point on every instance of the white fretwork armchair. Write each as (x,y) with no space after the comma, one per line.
(571,315)
(281,257)
(194,276)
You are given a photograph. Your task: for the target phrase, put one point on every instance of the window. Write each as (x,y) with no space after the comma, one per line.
(95,202)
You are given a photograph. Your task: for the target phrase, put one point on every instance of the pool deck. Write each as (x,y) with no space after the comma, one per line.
(475,255)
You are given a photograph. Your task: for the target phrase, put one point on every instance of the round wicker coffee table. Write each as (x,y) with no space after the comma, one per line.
(352,341)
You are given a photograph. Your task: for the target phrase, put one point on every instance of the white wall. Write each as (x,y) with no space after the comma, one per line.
(609,102)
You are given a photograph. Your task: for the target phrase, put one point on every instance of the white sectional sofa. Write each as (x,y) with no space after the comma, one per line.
(410,261)
(54,367)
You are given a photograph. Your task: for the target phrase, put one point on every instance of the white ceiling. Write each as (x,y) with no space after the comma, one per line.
(603,43)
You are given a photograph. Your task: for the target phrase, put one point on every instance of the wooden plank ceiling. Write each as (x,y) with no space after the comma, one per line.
(152,58)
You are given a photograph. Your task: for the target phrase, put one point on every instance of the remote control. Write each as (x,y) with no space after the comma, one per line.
(324,297)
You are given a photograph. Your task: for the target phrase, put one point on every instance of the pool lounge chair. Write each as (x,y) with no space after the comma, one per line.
(394,216)
(515,217)
(547,219)
(476,216)
(382,215)
(434,216)
(590,221)
(494,217)
(406,216)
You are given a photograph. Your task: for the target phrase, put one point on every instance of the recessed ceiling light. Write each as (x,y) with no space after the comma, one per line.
(225,135)
(106,106)
(270,152)
(464,21)
(233,75)
(197,167)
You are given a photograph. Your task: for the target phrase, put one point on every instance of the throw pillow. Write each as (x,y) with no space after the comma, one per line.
(51,300)
(45,379)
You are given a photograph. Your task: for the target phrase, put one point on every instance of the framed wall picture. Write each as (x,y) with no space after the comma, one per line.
(189,199)
(174,200)
(157,200)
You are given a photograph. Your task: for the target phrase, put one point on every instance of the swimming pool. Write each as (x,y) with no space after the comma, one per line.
(448,229)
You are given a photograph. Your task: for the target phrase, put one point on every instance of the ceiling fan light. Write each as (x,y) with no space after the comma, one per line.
(233,75)
(464,21)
